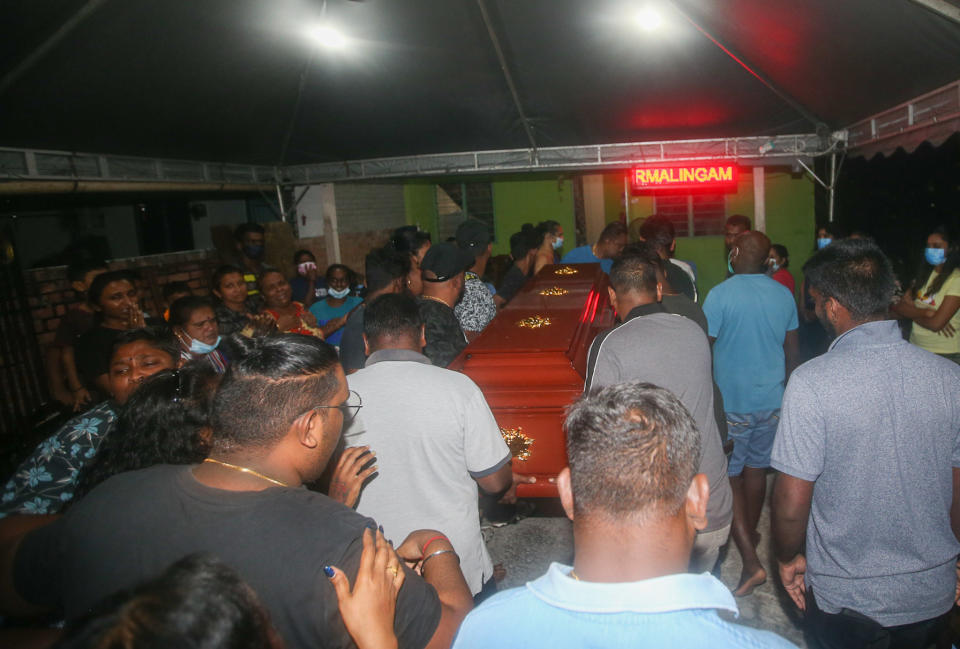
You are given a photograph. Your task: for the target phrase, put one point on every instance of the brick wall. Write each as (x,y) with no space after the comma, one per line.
(49,294)
(363,207)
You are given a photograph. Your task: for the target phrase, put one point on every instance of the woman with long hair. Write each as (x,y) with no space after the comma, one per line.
(552,242)
(933,301)
(166,421)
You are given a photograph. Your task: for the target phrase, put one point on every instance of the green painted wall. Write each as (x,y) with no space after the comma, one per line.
(420,202)
(790,217)
(516,202)
(519,200)
(790,221)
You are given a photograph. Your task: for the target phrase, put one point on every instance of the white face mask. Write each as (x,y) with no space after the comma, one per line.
(558,243)
(338,294)
(774,266)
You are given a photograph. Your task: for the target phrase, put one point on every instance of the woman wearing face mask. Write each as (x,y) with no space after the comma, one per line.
(332,311)
(195,326)
(552,242)
(933,302)
(826,235)
(777,262)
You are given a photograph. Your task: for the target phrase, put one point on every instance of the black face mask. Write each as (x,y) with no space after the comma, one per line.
(253,252)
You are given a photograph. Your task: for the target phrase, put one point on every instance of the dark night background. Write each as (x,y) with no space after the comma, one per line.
(899,199)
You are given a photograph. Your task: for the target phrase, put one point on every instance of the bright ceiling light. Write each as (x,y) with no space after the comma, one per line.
(649,19)
(328,37)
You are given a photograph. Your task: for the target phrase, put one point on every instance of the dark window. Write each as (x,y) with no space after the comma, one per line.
(693,215)
(456,202)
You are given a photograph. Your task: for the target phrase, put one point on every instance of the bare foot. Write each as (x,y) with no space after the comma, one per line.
(499,572)
(750,579)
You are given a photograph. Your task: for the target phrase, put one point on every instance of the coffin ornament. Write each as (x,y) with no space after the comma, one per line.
(556,290)
(518,443)
(534,322)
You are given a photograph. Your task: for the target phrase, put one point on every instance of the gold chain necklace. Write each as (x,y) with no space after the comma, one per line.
(243,469)
(436,299)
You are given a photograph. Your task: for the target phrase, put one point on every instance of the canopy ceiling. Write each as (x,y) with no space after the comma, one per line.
(221,79)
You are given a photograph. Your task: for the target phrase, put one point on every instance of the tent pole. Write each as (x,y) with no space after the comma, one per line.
(833,184)
(26,63)
(283,210)
(760,76)
(508,78)
(941,7)
(626,201)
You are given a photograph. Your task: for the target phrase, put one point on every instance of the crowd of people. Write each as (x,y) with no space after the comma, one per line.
(289,462)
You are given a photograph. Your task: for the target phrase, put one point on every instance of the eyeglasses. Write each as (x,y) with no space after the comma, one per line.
(348,408)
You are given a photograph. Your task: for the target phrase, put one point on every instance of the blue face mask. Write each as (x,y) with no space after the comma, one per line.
(200,347)
(823,242)
(342,293)
(935,256)
(729,265)
(774,266)
(253,252)
(558,243)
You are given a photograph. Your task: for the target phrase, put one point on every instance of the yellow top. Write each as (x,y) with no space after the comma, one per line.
(934,341)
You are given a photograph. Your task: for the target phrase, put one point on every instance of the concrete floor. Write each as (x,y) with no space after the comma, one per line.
(528,547)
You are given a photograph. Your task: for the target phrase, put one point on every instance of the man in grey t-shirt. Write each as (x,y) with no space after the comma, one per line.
(670,351)
(435,437)
(869,453)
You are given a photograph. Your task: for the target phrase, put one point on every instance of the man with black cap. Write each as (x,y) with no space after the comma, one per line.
(476,308)
(442,270)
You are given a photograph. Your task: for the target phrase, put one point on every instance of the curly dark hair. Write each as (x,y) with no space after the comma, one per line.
(165,421)
(199,602)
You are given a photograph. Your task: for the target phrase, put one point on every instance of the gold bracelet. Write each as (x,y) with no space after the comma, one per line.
(433,554)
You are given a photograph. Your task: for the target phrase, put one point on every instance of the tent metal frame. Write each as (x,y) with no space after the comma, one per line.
(746,151)
(923,112)
(34,164)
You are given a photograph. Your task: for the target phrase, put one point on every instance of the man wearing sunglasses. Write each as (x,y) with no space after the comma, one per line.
(277,417)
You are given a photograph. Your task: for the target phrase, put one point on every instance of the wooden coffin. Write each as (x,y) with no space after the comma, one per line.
(530,363)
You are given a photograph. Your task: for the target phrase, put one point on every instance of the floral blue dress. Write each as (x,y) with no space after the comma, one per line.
(45,481)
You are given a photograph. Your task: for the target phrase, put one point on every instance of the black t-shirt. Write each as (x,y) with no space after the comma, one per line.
(92,352)
(74,324)
(442,330)
(683,305)
(512,282)
(680,281)
(352,353)
(134,525)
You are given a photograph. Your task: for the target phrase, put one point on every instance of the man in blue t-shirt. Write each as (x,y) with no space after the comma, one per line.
(612,240)
(752,321)
(636,501)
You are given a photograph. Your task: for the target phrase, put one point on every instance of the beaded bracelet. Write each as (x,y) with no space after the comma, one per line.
(433,554)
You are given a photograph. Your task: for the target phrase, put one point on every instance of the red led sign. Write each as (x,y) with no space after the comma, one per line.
(713,176)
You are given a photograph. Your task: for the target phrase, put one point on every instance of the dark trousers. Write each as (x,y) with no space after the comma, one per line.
(489,590)
(851,630)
